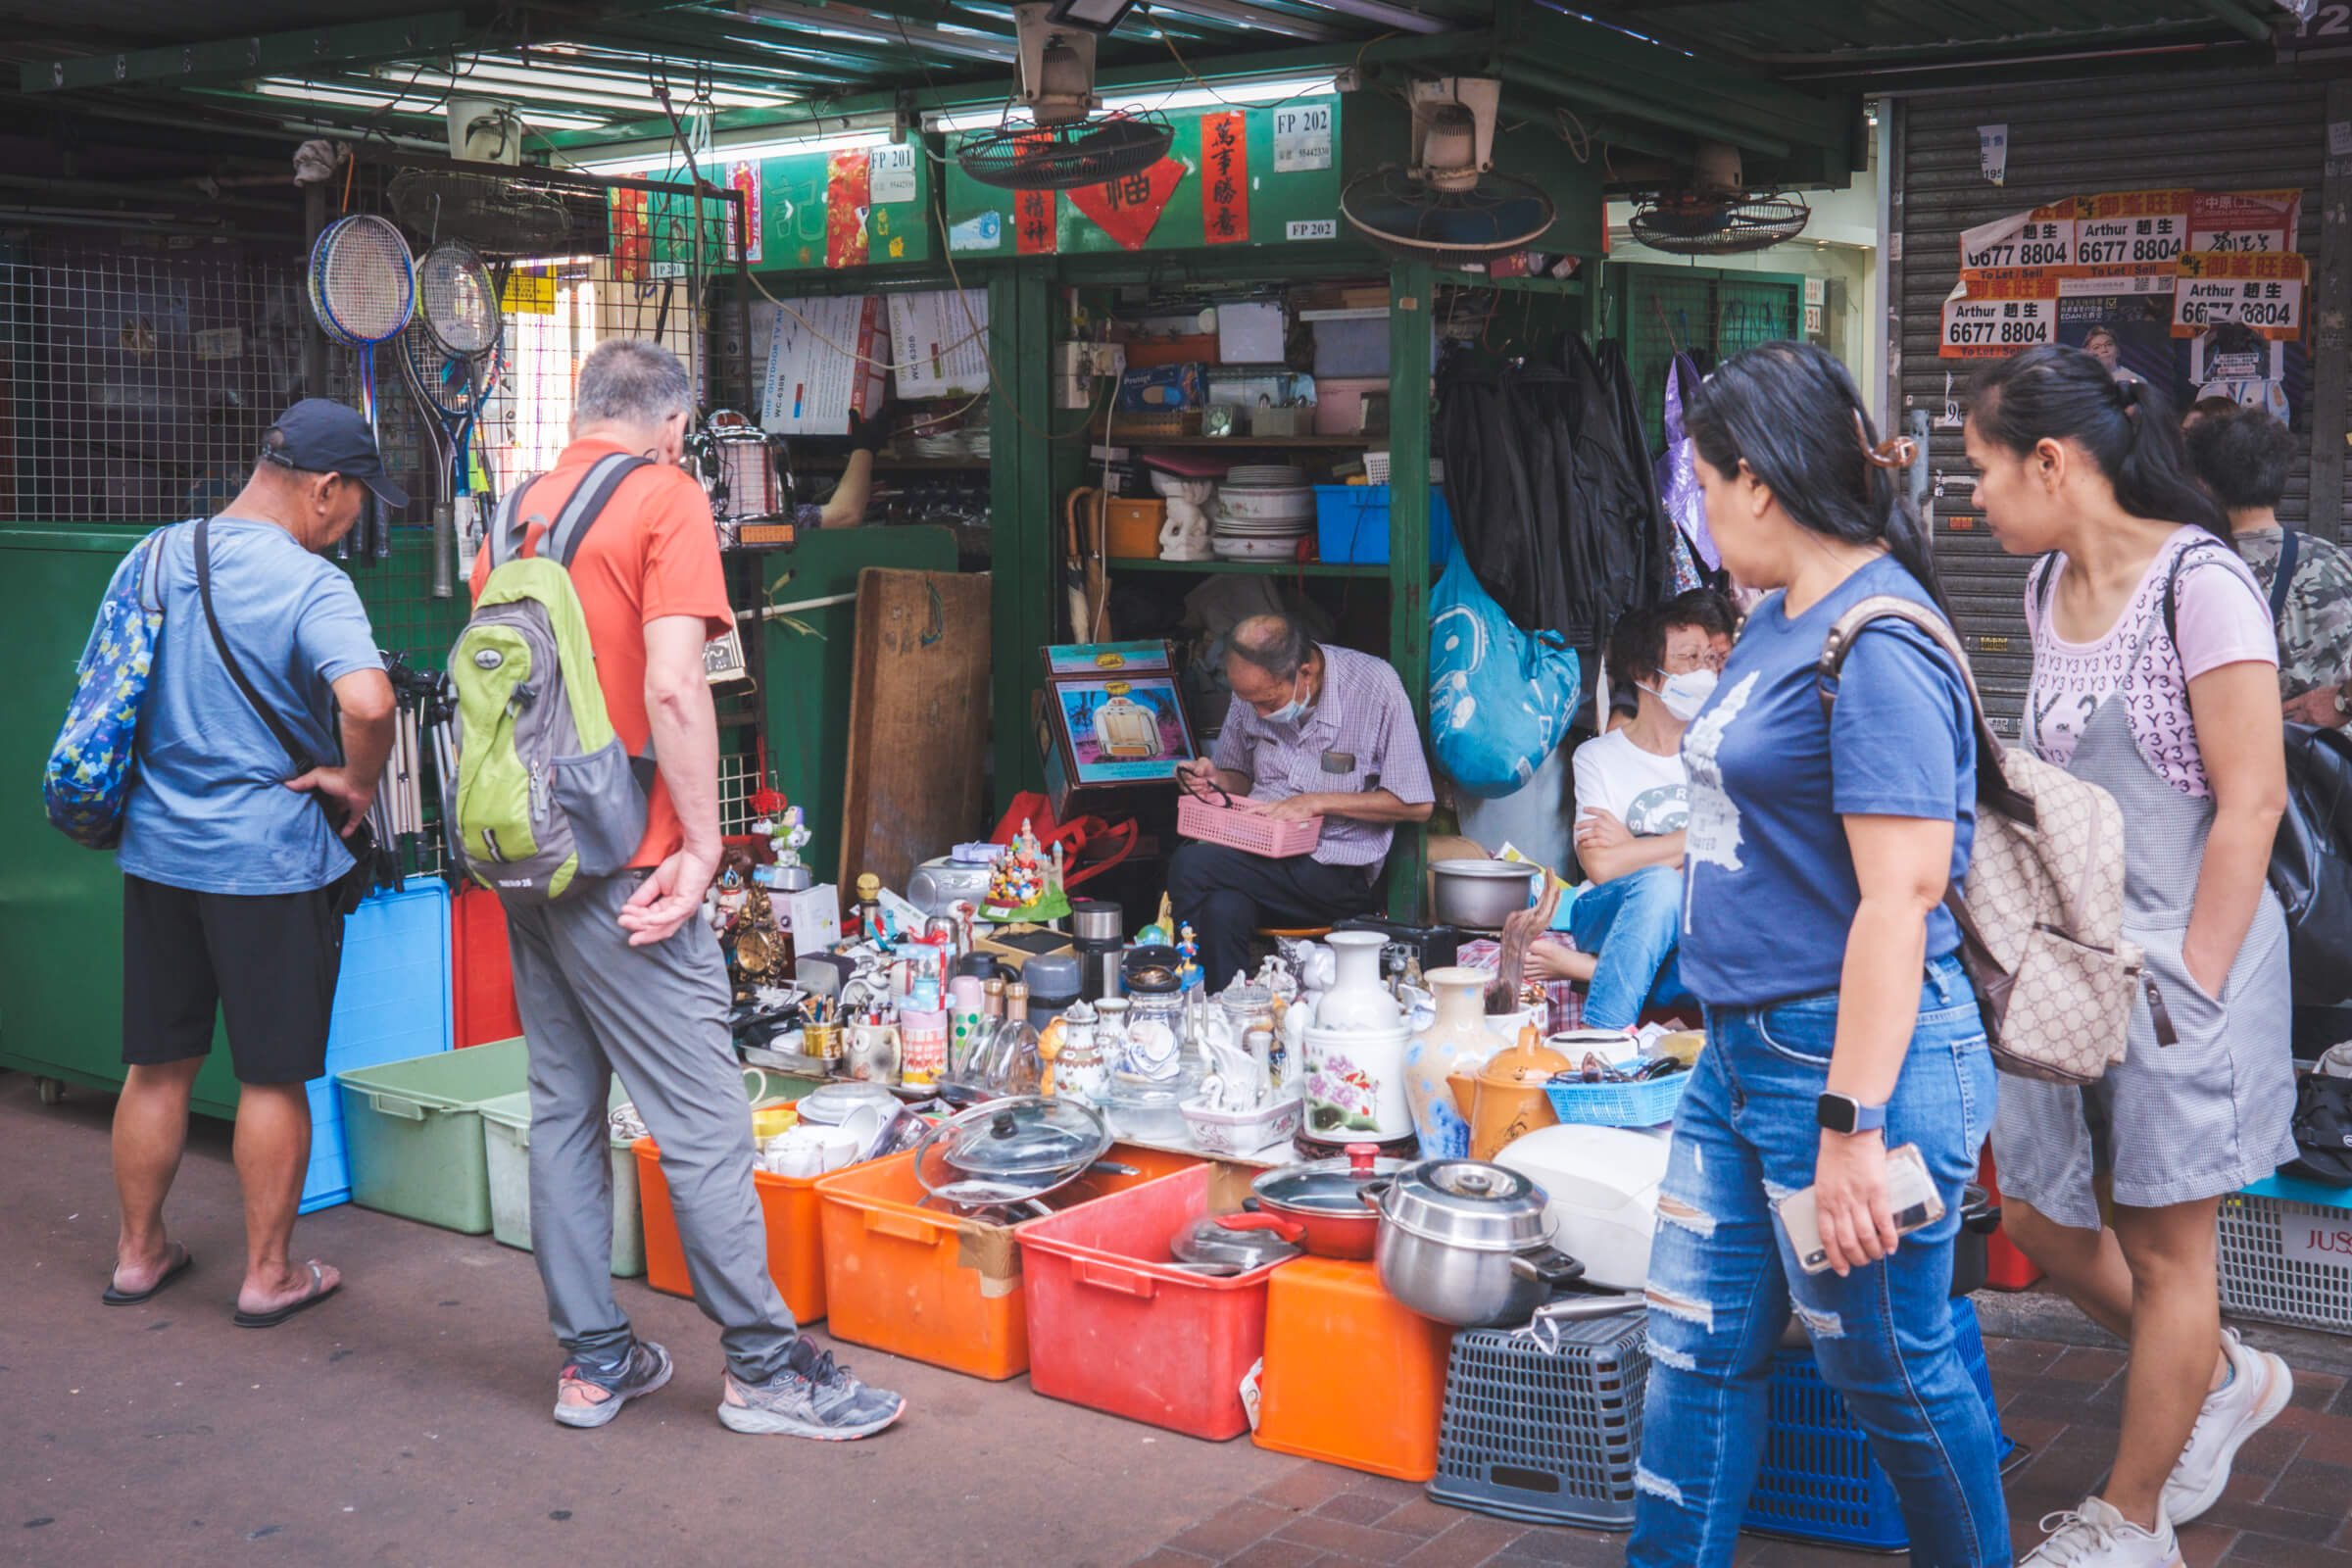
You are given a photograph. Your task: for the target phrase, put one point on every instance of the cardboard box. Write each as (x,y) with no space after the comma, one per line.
(811,384)
(933,336)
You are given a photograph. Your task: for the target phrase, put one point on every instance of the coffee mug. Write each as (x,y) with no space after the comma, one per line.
(873,1051)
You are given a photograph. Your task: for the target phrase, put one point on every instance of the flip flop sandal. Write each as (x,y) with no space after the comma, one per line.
(320,1292)
(115,1298)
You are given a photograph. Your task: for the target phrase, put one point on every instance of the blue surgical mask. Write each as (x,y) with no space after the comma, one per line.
(1292,712)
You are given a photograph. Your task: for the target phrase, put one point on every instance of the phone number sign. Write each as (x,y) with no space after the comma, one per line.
(1996,313)
(2262,291)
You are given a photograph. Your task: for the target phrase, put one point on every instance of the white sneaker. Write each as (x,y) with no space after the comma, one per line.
(2233,1413)
(2336,1062)
(2095,1536)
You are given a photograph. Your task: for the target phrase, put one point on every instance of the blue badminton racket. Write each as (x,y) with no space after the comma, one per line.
(364,288)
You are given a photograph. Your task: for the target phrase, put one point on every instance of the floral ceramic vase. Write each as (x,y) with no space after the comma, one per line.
(1458,1041)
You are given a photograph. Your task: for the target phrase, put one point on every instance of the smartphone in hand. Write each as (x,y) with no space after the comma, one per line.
(1910,1192)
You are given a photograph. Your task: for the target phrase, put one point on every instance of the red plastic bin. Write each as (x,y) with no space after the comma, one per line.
(482,981)
(2005,1267)
(1112,1327)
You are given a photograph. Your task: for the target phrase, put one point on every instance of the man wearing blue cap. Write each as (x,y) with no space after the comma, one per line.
(230,852)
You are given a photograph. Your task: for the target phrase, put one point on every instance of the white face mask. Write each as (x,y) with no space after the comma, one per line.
(1685,694)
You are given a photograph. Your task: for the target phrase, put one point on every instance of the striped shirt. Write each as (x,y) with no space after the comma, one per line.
(1360,735)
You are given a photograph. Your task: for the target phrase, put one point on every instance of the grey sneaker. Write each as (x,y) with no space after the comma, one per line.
(648,1369)
(2231,1415)
(812,1398)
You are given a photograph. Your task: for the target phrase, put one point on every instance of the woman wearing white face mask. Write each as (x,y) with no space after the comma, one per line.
(1630,803)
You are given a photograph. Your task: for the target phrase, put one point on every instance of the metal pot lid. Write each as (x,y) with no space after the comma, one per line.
(1022,1145)
(829,1104)
(1205,1240)
(1467,1203)
(1498,870)
(1325,1186)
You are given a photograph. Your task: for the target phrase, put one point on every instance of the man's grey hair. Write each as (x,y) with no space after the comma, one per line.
(630,381)
(1275,644)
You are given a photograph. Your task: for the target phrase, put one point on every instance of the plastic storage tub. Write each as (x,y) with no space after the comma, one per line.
(1111,1326)
(788,1210)
(1819,1481)
(1545,1435)
(1351,524)
(1351,1377)
(2287,1253)
(482,977)
(507,1149)
(1339,402)
(413,1130)
(392,1003)
(924,1283)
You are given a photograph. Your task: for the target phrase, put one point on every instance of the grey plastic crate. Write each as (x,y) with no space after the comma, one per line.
(1544,1436)
(2259,1280)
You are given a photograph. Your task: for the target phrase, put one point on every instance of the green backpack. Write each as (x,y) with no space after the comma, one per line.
(546,793)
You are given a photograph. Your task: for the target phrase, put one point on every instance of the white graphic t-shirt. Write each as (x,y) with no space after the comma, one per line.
(1649,793)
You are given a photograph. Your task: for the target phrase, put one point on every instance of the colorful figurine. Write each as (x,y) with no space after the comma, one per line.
(1188,952)
(1025,884)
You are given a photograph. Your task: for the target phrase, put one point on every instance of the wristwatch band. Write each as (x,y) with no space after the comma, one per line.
(1842,1114)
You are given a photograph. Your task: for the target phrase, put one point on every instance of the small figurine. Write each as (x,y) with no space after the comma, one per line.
(791,836)
(1188,952)
(1024,884)
(756,948)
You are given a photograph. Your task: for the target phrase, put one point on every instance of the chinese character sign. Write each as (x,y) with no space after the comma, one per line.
(1224,178)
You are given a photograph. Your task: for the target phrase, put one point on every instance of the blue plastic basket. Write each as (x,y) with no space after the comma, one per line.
(1649,1103)
(1545,1437)
(1819,1481)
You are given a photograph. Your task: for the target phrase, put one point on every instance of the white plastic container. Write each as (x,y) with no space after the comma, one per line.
(507,1142)
(1602,1186)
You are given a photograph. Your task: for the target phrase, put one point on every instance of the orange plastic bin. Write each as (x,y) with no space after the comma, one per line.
(1113,1326)
(924,1283)
(2005,1267)
(1351,1377)
(788,1207)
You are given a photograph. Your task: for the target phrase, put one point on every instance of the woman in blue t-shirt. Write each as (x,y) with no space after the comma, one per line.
(1839,1024)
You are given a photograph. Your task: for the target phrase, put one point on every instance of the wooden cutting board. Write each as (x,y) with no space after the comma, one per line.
(919,722)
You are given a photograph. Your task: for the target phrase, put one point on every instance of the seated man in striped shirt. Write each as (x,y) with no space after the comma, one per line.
(1319,732)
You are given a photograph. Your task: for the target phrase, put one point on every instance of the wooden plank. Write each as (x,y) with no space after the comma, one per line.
(919,721)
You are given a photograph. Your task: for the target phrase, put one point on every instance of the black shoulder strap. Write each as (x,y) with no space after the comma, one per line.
(2290,549)
(2172,583)
(203,591)
(2039,581)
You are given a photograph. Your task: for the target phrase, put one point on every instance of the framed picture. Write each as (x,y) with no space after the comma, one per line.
(1118,729)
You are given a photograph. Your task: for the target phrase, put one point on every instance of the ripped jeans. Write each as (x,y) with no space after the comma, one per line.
(1723,1277)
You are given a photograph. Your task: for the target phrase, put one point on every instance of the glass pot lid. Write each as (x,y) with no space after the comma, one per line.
(1467,1203)
(1025,1144)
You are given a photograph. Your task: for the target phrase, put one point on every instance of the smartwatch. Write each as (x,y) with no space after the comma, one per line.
(1843,1113)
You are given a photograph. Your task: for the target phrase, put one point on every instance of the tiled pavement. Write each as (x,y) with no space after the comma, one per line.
(2286,1506)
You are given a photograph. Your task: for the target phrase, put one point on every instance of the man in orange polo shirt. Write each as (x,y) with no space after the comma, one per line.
(618,975)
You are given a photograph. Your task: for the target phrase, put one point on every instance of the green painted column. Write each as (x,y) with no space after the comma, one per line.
(1025,556)
(1411,287)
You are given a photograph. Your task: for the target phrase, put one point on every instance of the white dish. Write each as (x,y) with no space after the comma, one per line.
(1254,549)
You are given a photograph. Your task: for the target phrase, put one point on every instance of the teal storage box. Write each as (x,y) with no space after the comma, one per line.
(507,1144)
(414,1132)
(392,1003)
(1351,524)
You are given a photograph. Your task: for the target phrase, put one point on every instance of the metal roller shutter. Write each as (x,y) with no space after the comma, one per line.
(2236,130)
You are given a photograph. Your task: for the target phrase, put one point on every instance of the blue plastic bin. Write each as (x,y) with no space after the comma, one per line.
(1819,1481)
(1351,524)
(392,1001)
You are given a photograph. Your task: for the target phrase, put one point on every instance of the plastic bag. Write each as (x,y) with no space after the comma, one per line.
(1499,699)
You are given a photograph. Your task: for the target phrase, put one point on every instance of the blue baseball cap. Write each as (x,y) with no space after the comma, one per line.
(323,436)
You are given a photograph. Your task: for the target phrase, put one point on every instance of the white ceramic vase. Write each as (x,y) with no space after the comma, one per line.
(1353,1084)
(1356,999)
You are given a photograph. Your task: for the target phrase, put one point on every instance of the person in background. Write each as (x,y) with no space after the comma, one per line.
(618,975)
(2176,718)
(846,507)
(1316,731)
(1702,606)
(2101,345)
(228,864)
(1631,805)
(2241,456)
(2206,409)
(1839,1021)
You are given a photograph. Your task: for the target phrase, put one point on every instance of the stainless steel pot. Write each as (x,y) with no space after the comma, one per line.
(1481,894)
(1462,1241)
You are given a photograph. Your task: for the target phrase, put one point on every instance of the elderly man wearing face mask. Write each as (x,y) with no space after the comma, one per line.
(1316,731)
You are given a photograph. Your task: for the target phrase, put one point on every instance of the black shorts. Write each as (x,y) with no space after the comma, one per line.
(269,961)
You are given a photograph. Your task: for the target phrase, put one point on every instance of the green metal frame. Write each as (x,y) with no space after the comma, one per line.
(339,47)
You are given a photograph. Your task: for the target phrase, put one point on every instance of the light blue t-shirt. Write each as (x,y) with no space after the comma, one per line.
(209,809)
(1769,886)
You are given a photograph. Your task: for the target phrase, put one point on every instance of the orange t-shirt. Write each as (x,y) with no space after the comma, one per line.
(652,553)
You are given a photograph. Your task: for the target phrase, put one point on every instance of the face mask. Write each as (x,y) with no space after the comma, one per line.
(1685,694)
(1292,712)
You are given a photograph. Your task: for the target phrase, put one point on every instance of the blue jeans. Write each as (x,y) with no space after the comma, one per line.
(1723,1280)
(1633,926)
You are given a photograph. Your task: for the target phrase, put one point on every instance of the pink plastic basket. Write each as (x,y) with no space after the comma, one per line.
(1245,825)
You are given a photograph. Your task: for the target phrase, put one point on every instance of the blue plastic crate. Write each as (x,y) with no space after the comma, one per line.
(1819,1481)
(392,1001)
(1649,1103)
(1351,524)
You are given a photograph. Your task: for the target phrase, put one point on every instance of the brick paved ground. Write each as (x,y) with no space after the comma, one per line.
(2286,1506)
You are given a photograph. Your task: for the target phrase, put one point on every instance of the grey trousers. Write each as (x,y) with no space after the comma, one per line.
(593,1005)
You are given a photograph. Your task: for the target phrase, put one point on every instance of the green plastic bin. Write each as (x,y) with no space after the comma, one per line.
(507,1148)
(414,1132)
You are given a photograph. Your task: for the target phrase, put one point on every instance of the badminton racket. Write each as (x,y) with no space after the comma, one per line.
(457,299)
(364,288)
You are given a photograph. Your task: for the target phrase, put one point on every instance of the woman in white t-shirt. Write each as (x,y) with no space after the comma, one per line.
(2155,674)
(1630,803)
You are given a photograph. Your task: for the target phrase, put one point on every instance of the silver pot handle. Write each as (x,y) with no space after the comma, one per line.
(1575,1308)
(1548,1265)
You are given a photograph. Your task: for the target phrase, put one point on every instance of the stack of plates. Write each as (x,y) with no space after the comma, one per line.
(1263,510)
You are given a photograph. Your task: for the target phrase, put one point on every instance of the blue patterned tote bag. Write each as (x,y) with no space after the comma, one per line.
(88,777)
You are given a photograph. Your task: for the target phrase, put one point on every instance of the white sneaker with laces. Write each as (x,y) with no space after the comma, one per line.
(2095,1536)
(2233,1413)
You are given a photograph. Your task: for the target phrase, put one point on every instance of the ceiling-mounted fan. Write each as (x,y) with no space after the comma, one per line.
(1450,206)
(1716,214)
(1055,137)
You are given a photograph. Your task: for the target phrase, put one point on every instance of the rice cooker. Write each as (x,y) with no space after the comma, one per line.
(1603,1184)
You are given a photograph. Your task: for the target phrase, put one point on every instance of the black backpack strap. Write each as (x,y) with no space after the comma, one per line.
(1993,785)
(562,539)
(2171,584)
(2290,551)
(203,591)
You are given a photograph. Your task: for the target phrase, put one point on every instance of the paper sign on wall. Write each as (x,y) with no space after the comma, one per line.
(2042,237)
(2321,1239)
(2132,225)
(939,342)
(1224,178)
(2245,222)
(817,367)
(1302,137)
(1128,209)
(848,199)
(1993,153)
(2264,292)
(890,174)
(1994,314)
